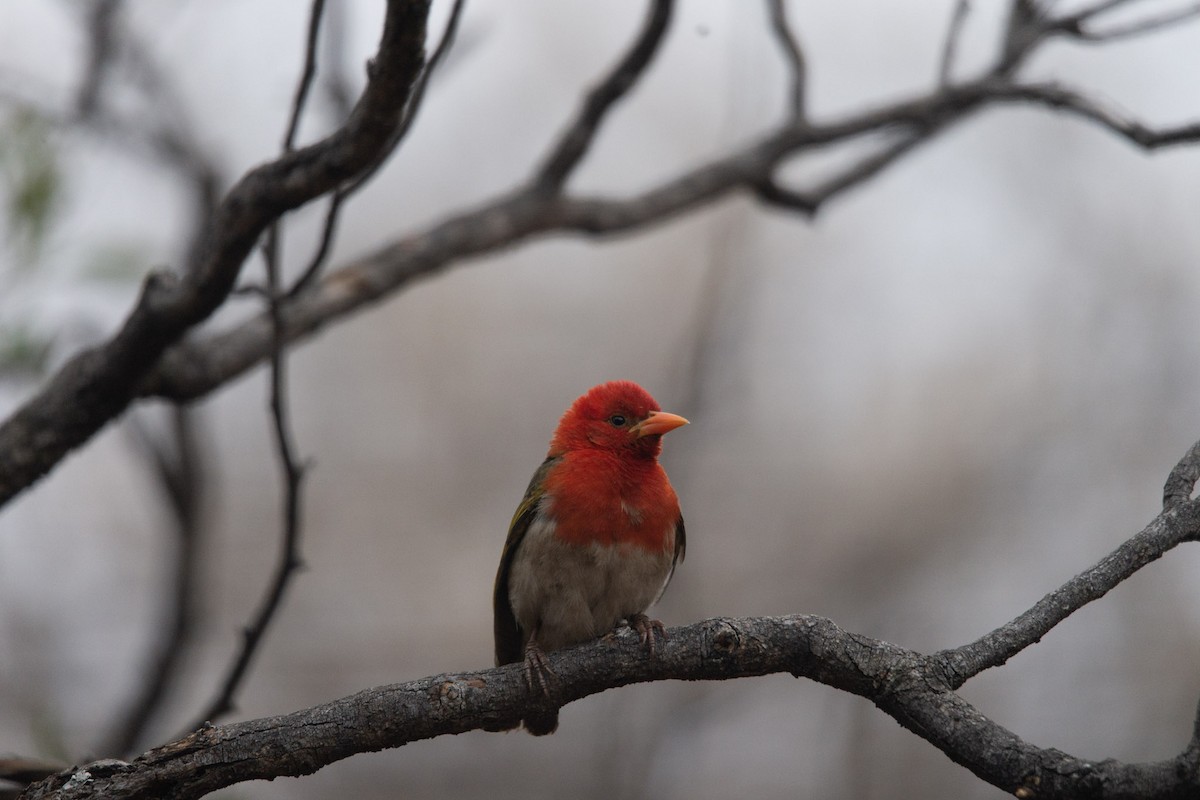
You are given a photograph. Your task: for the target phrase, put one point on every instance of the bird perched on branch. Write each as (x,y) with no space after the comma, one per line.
(595,539)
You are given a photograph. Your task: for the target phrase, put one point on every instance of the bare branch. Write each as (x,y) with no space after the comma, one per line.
(328,233)
(98,384)
(1182,480)
(809,202)
(102,19)
(792,53)
(293,475)
(576,140)
(343,193)
(181,476)
(958,20)
(112,372)
(300,98)
(1170,529)
(291,470)
(1078,30)
(904,684)
(1063,99)
(772,193)
(1024,30)
(335,81)
(192,369)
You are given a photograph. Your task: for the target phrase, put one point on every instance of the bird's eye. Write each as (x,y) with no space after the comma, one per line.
(617,420)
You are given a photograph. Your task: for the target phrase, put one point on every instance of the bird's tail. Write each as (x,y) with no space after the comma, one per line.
(542,723)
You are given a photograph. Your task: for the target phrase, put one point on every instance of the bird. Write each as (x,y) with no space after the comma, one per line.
(595,540)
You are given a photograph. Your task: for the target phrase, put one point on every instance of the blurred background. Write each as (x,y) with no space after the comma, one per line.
(954,389)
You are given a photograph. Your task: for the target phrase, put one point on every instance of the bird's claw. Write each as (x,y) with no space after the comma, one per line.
(537,669)
(646,629)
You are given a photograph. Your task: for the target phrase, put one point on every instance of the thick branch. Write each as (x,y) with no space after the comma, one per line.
(903,683)
(98,384)
(1182,481)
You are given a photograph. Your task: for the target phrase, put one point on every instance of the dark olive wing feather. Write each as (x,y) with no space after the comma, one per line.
(510,639)
(680,551)
(680,544)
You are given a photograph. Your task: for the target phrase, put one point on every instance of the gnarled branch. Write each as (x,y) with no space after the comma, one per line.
(917,690)
(97,385)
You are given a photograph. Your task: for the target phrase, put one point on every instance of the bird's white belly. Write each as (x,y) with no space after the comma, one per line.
(572,593)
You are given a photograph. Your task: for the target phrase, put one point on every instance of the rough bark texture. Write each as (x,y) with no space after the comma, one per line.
(917,690)
(98,384)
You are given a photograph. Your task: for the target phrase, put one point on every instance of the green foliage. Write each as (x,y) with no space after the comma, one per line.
(32,181)
(23,351)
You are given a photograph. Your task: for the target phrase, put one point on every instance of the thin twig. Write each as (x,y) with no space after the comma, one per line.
(1091,12)
(577,138)
(102,47)
(1024,30)
(1129,30)
(343,193)
(1174,526)
(300,99)
(177,466)
(180,474)
(328,232)
(810,201)
(335,81)
(793,54)
(1063,99)
(958,20)
(292,471)
(293,475)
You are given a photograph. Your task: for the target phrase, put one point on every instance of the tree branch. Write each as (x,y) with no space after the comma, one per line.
(180,473)
(1182,480)
(195,368)
(915,689)
(291,470)
(97,385)
(577,138)
(958,21)
(792,53)
(1076,26)
(905,684)
(102,42)
(1173,527)
(346,191)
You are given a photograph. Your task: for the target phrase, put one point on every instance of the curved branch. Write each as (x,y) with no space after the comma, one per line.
(1182,480)
(915,689)
(793,54)
(192,369)
(903,683)
(576,140)
(98,384)
(1178,524)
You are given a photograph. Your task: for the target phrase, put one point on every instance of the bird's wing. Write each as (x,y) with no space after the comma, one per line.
(510,639)
(680,551)
(680,544)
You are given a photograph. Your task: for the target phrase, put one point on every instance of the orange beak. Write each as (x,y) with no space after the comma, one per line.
(658,423)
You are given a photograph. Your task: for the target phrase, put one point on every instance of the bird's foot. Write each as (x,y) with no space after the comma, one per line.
(646,628)
(537,669)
